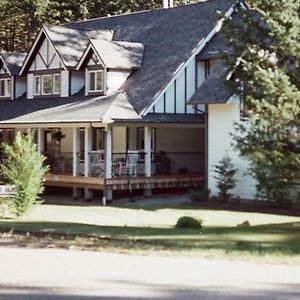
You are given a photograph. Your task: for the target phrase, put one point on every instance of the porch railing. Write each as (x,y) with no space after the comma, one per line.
(162,163)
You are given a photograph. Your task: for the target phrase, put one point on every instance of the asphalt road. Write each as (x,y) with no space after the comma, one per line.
(62,274)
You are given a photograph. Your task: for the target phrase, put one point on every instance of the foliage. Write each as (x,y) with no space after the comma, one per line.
(189,222)
(267,46)
(202,194)
(21,19)
(25,170)
(225,177)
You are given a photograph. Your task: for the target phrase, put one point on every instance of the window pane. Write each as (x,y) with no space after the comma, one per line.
(2,88)
(99,81)
(56,84)
(7,88)
(47,84)
(37,85)
(92,81)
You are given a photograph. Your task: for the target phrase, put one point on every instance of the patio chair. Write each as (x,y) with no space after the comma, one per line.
(129,166)
(97,162)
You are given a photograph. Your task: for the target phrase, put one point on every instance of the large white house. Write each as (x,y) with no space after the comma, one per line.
(135,101)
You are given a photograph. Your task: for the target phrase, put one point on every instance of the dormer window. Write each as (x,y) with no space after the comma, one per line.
(5,88)
(96,81)
(47,85)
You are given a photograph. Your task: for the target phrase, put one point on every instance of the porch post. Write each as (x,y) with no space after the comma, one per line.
(40,139)
(75,151)
(107,194)
(148,172)
(87,149)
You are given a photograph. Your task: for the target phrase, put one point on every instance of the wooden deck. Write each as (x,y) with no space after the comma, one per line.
(126,182)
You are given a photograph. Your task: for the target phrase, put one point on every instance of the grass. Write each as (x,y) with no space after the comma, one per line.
(150,229)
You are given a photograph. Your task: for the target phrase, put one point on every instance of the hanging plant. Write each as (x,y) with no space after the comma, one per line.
(58,136)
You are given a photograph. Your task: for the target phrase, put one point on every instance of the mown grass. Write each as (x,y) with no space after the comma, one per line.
(151,229)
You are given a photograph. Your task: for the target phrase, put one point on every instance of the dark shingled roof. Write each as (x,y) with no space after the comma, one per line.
(215,48)
(71,43)
(77,108)
(167,118)
(119,55)
(13,61)
(214,89)
(169,36)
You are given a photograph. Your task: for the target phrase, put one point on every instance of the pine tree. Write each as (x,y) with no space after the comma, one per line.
(265,57)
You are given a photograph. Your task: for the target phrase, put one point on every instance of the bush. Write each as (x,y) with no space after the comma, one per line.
(200,195)
(25,171)
(188,222)
(225,177)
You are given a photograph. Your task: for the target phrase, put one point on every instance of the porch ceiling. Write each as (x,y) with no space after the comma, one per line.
(77,108)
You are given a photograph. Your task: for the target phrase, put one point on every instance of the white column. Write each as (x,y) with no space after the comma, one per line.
(147,138)
(40,139)
(108,152)
(87,149)
(75,151)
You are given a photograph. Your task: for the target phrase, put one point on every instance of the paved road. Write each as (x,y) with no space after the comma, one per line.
(61,274)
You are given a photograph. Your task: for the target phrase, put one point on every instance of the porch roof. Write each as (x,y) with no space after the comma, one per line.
(215,88)
(167,118)
(75,109)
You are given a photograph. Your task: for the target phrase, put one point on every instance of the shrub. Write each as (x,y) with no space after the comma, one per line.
(188,222)
(225,177)
(25,171)
(200,195)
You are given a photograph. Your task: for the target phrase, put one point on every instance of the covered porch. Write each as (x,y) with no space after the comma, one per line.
(120,156)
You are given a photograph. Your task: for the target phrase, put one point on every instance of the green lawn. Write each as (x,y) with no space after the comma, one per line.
(150,229)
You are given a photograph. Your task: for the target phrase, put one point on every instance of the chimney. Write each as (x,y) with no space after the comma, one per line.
(168,3)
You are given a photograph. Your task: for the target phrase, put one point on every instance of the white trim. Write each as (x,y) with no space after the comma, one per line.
(195,52)
(53,84)
(89,81)
(42,86)
(5,87)
(33,48)
(34,82)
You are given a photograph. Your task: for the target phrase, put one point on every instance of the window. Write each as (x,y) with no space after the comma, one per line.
(47,84)
(98,138)
(96,81)
(37,85)
(5,88)
(56,83)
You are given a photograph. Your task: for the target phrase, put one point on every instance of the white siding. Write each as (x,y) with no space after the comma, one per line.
(30,86)
(115,79)
(170,98)
(20,88)
(180,94)
(65,77)
(119,139)
(221,119)
(77,81)
(200,72)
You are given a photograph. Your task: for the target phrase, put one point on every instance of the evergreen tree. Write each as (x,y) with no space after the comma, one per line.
(265,57)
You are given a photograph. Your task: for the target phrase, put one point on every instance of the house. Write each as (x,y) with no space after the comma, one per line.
(127,102)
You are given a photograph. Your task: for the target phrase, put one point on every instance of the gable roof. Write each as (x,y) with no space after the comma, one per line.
(13,61)
(68,43)
(169,35)
(215,88)
(74,109)
(116,55)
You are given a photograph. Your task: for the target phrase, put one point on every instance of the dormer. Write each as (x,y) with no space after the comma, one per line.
(51,63)
(107,65)
(12,86)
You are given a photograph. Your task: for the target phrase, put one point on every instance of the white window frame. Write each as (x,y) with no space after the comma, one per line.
(89,81)
(42,86)
(53,84)
(34,85)
(5,84)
